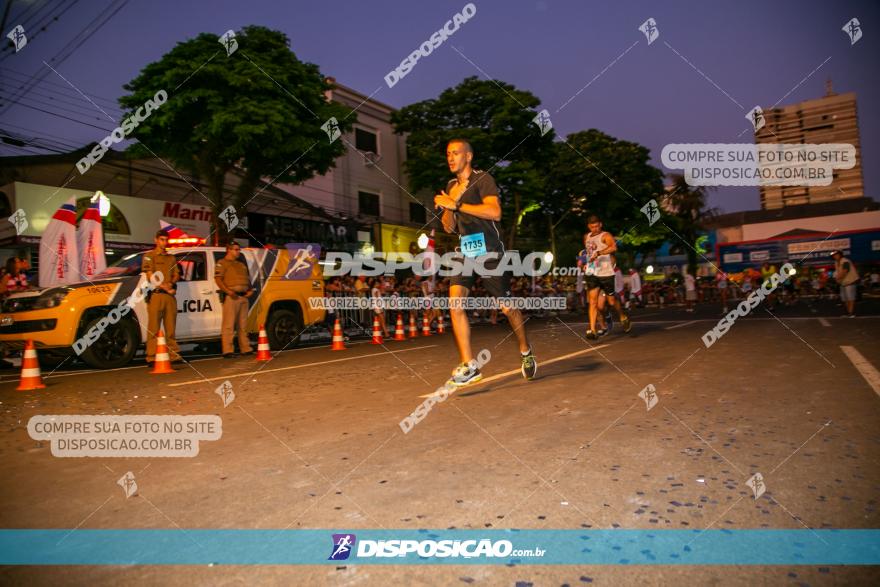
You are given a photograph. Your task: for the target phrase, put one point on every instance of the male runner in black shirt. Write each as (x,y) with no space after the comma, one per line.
(472,208)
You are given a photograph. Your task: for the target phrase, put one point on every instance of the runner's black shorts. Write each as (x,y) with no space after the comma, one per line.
(497,286)
(606,283)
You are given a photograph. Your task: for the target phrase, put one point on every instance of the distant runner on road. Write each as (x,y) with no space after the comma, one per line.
(599,270)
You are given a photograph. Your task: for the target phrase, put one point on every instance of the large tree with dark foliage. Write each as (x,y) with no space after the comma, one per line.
(496,118)
(257,113)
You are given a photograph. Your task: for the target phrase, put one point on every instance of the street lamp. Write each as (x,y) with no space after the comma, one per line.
(649,269)
(423,241)
(548,257)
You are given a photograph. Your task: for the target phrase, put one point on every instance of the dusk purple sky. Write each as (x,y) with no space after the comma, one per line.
(756,52)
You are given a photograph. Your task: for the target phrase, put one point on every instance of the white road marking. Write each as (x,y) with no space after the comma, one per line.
(262,371)
(868,371)
(680,325)
(824,322)
(516,371)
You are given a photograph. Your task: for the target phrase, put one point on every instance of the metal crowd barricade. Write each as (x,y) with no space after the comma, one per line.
(354,321)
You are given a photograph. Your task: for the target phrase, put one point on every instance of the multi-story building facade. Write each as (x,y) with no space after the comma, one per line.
(830,119)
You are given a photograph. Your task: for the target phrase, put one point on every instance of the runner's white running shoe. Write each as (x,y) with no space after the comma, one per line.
(465,374)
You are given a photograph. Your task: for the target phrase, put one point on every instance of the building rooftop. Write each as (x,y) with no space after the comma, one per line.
(846,206)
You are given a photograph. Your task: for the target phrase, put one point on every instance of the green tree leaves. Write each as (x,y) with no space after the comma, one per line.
(548,188)
(496,118)
(256,113)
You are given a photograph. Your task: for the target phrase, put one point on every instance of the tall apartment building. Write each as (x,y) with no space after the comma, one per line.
(830,119)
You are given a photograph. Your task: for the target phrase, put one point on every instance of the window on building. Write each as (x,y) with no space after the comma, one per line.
(368,203)
(417,212)
(365,140)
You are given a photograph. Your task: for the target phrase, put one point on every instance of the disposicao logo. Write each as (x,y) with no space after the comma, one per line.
(303,257)
(343,544)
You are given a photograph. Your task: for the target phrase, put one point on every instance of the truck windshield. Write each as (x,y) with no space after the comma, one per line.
(127,265)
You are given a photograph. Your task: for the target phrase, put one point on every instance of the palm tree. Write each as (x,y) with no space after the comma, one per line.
(687,205)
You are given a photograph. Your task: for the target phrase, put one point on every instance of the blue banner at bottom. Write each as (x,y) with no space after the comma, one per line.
(434,547)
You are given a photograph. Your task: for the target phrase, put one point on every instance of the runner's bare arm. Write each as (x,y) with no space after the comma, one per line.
(447,204)
(490,209)
(448,220)
(610,245)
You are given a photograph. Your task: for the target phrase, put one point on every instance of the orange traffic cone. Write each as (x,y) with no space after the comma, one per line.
(338,343)
(398,330)
(263,353)
(377,334)
(440,329)
(426,326)
(413,331)
(30,369)
(162,364)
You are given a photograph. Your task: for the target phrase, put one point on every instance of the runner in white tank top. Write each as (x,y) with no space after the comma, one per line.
(603,265)
(599,270)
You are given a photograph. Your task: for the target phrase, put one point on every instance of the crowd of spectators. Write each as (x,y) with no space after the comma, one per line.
(634,289)
(812,283)
(13,276)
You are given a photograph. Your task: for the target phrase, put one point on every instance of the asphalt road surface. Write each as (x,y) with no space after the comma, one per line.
(312,439)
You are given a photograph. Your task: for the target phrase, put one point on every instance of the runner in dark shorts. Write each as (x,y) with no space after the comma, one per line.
(497,286)
(605,284)
(472,209)
(603,319)
(599,275)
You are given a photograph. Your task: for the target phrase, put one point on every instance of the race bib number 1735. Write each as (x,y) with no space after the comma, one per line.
(473,245)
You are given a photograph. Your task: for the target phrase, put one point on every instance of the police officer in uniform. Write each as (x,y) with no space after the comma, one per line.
(161,305)
(231,277)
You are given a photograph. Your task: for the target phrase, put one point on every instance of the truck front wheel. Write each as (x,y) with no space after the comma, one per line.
(284,329)
(115,347)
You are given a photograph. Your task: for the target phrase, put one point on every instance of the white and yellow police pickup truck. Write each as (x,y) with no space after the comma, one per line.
(59,319)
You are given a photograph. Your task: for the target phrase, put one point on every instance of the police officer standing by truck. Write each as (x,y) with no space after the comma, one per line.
(161,303)
(231,277)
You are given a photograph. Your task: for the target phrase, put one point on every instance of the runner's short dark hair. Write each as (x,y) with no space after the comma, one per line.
(232,243)
(161,232)
(464,142)
(593,218)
